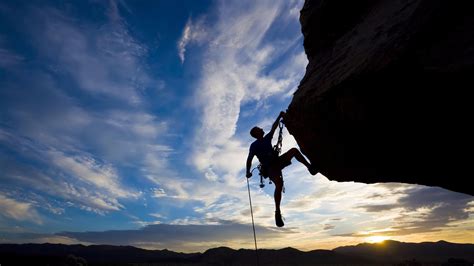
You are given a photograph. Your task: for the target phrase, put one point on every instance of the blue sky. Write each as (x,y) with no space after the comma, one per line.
(126,122)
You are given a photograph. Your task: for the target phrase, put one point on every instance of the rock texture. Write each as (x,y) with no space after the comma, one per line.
(387,92)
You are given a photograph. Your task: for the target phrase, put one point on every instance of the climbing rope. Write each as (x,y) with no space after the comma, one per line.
(253,223)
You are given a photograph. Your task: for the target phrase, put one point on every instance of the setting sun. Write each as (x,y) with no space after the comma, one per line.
(376,239)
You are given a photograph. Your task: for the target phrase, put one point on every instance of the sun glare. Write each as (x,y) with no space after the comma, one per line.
(376,239)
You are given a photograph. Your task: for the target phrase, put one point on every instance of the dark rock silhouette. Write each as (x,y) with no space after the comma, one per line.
(407,253)
(59,254)
(388,253)
(72,260)
(456,262)
(385,97)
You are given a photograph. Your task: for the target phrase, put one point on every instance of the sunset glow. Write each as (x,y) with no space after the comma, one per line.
(376,239)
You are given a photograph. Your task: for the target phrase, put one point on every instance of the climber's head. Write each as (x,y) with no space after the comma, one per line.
(257,132)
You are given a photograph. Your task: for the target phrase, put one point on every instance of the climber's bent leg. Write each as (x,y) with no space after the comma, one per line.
(294,152)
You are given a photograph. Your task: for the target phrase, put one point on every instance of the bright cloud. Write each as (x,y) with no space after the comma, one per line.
(17,210)
(234,67)
(191,237)
(88,170)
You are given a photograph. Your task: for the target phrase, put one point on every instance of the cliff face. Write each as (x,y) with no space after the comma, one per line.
(386,94)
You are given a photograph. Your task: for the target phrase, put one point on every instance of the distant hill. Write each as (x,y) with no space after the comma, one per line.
(286,256)
(389,253)
(398,251)
(59,254)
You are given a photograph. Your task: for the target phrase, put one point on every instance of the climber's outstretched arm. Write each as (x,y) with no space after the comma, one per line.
(249,164)
(275,124)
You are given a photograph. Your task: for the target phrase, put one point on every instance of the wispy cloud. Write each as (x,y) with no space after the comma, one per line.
(18,210)
(184,40)
(193,32)
(428,208)
(178,237)
(81,186)
(190,237)
(379,208)
(419,210)
(12,237)
(85,168)
(8,58)
(103,60)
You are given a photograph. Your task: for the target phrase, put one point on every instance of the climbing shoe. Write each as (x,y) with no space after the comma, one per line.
(278,219)
(312,170)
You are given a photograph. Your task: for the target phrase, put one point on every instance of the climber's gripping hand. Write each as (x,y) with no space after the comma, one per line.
(249,174)
(282,115)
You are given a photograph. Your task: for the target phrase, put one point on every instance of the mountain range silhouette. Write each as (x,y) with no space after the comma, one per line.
(386,253)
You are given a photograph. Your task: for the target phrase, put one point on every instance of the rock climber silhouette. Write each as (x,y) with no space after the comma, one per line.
(272,163)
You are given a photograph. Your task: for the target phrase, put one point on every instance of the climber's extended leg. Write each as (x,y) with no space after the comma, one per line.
(294,152)
(275,176)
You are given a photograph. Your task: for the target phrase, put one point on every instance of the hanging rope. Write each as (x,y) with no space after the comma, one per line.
(253,223)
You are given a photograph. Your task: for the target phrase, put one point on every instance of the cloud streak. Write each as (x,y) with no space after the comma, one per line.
(9,59)
(420,210)
(194,32)
(190,237)
(86,169)
(17,210)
